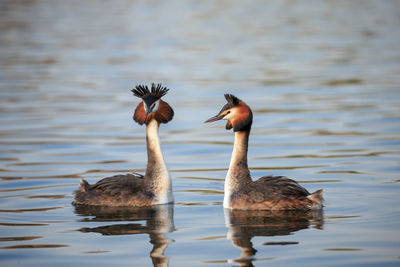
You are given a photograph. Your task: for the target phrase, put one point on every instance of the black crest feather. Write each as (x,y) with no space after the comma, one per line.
(156,92)
(233,100)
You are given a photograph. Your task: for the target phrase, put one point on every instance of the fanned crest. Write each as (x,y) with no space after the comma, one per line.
(156,91)
(163,114)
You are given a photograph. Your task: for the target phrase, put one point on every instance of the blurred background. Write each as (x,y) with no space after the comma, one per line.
(322,78)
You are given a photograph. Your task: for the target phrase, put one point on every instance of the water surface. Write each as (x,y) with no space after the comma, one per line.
(322,79)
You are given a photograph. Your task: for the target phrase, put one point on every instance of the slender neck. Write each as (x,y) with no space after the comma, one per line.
(156,175)
(238,173)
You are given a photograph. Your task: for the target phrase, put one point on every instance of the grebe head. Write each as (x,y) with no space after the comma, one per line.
(236,112)
(152,106)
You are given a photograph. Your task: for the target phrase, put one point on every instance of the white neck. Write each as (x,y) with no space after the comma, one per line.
(238,174)
(156,176)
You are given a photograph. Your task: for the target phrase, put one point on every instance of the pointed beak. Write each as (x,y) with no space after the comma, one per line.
(215,118)
(148,110)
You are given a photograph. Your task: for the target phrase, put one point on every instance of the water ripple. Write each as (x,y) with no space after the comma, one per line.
(18,238)
(28,246)
(30,210)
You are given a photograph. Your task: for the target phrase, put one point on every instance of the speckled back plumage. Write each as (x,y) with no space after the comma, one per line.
(118,190)
(272,193)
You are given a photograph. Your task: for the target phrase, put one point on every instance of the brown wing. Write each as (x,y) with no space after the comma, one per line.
(275,186)
(118,190)
(119,183)
(271,193)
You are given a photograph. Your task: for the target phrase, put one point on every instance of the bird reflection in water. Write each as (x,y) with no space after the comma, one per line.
(245,224)
(159,221)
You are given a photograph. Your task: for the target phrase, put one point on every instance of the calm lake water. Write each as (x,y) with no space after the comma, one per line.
(322,78)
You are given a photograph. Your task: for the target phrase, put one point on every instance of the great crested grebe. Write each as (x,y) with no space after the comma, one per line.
(133,189)
(268,192)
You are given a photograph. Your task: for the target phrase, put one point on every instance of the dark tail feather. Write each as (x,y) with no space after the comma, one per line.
(84,185)
(317,198)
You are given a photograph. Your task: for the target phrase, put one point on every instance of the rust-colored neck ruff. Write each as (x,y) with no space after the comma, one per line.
(163,114)
(156,176)
(238,174)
